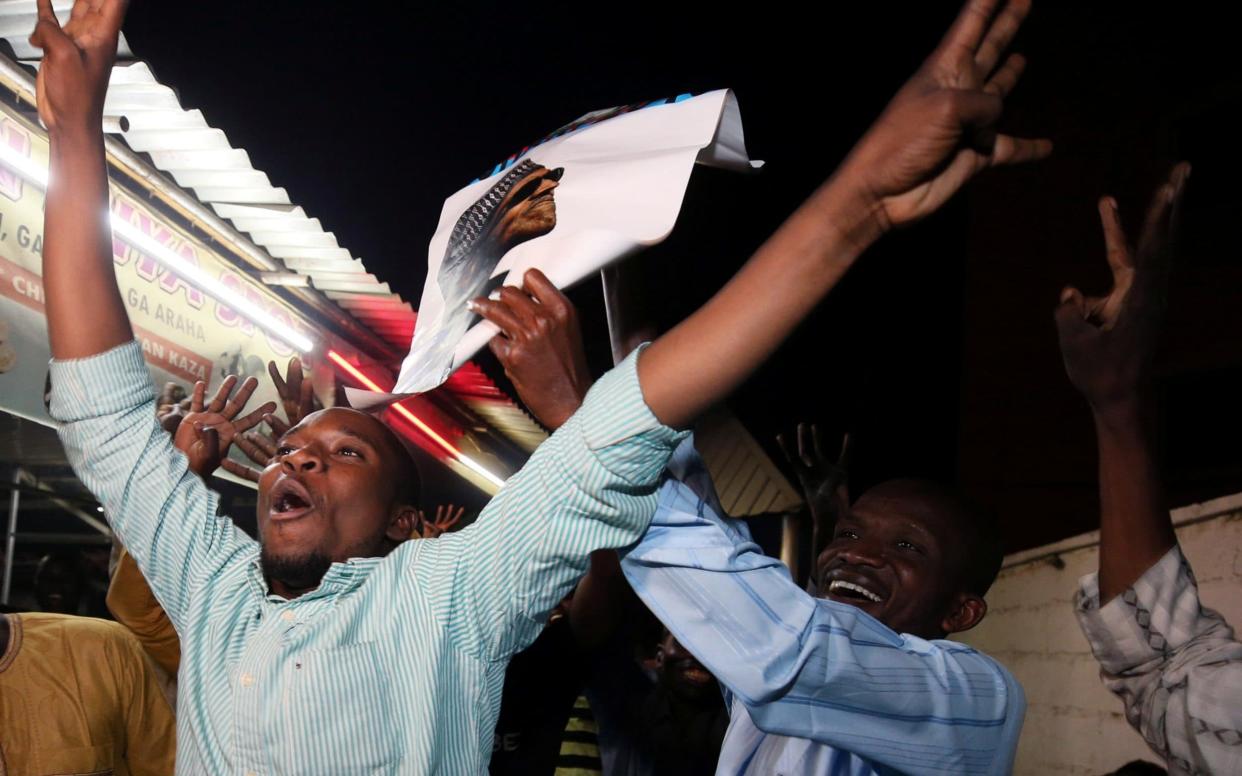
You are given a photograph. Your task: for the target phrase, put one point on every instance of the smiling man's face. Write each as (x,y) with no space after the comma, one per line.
(901,558)
(334,491)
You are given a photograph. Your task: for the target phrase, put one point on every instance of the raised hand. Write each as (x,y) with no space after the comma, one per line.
(825,483)
(298,401)
(206,433)
(446,518)
(540,347)
(821,478)
(939,129)
(258,447)
(77,61)
(1108,342)
(295,394)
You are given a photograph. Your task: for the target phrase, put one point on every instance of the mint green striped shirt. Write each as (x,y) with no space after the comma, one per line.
(393,665)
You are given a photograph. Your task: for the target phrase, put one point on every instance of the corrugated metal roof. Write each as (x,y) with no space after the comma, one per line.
(199,158)
(747,480)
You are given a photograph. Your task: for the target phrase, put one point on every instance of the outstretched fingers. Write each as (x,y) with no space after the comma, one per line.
(968,29)
(1116,246)
(47,34)
(196,398)
(1006,78)
(241,470)
(240,398)
(222,394)
(1008,149)
(254,418)
(1000,34)
(1153,252)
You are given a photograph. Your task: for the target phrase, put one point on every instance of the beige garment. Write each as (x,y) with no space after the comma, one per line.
(79,696)
(133,605)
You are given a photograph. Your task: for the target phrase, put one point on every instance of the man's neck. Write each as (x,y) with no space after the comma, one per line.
(290,592)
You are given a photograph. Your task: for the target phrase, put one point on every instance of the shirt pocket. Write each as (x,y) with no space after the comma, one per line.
(341,711)
(75,761)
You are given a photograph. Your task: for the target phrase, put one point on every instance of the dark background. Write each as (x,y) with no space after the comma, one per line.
(937,351)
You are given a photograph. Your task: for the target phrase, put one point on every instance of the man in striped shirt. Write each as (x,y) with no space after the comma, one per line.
(390,659)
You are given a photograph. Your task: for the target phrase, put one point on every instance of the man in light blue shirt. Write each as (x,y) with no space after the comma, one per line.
(860,680)
(329,647)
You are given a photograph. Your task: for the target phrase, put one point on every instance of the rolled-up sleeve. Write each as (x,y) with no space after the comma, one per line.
(165,516)
(590,486)
(816,669)
(1176,666)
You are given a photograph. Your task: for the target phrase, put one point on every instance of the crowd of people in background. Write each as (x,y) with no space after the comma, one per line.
(602,614)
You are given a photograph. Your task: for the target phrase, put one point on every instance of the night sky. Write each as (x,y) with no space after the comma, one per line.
(370,117)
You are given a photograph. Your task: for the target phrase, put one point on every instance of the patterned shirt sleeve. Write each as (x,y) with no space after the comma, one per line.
(1175,665)
(591,485)
(811,668)
(165,516)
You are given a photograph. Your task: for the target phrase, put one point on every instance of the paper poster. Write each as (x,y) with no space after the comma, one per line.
(591,193)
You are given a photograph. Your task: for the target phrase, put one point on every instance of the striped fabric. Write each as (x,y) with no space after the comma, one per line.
(816,687)
(1175,665)
(579,754)
(393,665)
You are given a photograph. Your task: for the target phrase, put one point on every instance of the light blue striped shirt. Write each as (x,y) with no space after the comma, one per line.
(393,665)
(813,686)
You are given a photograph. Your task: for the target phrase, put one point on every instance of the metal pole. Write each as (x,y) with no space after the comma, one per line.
(10,539)
(790,546)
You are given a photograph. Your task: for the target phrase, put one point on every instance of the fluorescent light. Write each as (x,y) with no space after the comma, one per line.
(465,460)
(171,261)
(24,166)
(195,275)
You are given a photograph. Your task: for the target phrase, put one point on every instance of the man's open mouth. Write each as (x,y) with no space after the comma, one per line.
(290,500)
(852,591)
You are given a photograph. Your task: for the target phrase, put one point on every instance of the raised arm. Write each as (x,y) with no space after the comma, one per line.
(102,396)
(1169,659)
(77,243)
(935,135)
(1108,344)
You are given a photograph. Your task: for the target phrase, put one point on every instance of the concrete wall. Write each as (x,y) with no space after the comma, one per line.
(1073,725)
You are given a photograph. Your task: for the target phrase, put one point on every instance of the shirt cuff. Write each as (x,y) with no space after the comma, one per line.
(1142,624)
(615,410)
(103,384)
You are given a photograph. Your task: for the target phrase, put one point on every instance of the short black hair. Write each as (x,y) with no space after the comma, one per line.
(981,549)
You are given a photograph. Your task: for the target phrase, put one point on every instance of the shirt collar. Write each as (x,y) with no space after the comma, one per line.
(340,578)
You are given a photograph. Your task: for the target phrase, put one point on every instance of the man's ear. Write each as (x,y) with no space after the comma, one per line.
(965,612)
(403,524)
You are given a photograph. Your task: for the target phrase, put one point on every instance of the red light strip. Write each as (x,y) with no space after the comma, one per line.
(353,372)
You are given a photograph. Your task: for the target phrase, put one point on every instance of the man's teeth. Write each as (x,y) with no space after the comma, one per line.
(839,584)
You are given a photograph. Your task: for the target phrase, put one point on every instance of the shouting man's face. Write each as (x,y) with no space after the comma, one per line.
(341,486)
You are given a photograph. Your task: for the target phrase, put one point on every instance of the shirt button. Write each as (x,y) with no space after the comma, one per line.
(246,680)
(288,616)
